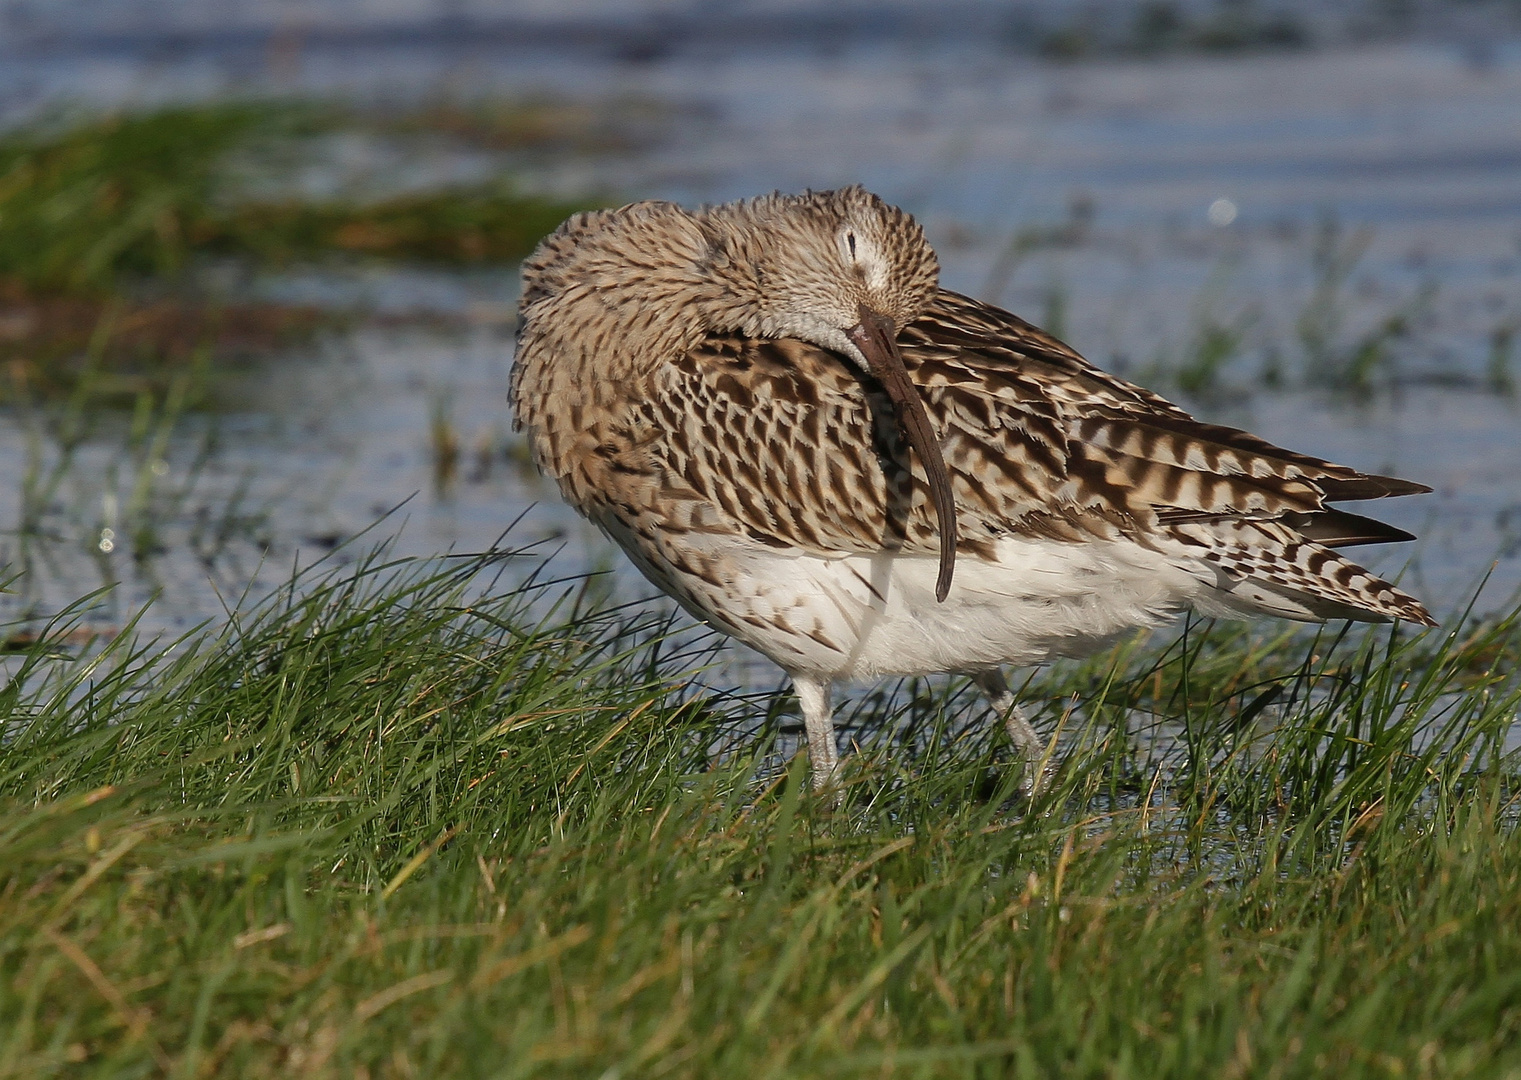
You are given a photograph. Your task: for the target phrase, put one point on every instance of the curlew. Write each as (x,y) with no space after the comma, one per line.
(790,428)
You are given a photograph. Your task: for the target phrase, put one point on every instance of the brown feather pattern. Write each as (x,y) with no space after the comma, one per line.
(788,444)
(700,385)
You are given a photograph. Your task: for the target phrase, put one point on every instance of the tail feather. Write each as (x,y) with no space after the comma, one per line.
(1330,528)
(1272,567)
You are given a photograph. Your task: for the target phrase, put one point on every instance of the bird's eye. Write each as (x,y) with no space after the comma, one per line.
(850,239)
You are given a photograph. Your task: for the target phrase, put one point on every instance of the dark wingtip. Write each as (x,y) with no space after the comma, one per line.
(1369,487)
(1418,614)
(1394,486)
(1334,528)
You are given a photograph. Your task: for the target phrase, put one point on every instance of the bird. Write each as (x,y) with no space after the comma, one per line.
(773,407)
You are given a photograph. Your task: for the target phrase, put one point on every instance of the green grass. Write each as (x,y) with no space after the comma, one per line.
(88,204)
(399,822)
(104,219)
(483,224)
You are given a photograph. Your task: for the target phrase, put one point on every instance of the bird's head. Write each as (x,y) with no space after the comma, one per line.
(846,271)
(826,267)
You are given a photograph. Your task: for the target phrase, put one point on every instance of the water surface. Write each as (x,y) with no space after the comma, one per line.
(1349,187)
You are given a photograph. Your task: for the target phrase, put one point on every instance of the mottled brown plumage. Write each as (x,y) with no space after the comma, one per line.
(704,387)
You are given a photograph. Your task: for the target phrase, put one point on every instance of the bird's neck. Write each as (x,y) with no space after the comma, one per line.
(608,300)
(624,294)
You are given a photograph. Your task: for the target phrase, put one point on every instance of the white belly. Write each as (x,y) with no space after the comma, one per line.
(855,616)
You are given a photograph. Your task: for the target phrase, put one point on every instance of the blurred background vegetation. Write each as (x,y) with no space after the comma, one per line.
(109,215)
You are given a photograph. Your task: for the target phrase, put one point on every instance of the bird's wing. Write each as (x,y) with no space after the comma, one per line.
(1171,459)
(790,445)
(1254,510)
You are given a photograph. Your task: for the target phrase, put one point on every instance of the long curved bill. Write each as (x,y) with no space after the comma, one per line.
(876,337)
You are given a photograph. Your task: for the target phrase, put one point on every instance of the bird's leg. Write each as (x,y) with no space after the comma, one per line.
(823,756)
(1026,740)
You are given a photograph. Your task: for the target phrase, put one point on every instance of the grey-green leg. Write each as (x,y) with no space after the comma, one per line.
(1029,744)
(823,755)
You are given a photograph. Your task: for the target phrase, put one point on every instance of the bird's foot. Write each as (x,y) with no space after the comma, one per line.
(1037,775)
(828,789)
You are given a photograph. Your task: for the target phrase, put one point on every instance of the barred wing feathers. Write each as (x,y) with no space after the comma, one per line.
(789,444)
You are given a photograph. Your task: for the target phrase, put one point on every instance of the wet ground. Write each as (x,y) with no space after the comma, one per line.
(1322,246)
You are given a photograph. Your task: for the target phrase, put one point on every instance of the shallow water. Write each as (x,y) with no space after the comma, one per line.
(1114,166)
